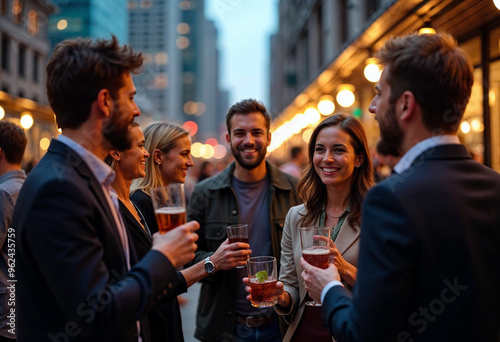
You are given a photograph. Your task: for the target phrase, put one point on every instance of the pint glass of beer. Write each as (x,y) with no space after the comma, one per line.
(169,203)
(315,243)
(262,276)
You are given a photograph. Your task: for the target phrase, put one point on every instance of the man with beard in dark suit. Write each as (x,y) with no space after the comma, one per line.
(73,256)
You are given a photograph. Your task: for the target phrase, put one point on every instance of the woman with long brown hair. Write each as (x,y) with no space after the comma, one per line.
(335,182)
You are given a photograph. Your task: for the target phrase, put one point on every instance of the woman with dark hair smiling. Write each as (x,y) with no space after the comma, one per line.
(334,185)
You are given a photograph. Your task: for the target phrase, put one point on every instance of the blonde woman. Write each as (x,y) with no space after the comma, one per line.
(170,149)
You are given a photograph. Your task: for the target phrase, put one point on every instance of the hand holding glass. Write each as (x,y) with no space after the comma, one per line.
(169,203)
(262,278)
(237,233)
(315,243)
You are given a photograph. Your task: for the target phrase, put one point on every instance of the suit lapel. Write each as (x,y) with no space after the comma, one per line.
(347,236)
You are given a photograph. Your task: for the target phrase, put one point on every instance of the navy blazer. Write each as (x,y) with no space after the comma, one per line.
(72,279)
(429,256)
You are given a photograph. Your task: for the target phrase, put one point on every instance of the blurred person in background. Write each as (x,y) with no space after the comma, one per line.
(206,170)
(294,166)
(252,191)
(333,188)
(388,155)
(13,143)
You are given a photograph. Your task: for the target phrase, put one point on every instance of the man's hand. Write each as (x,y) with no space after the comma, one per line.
(178,245)
(229,256)
(315,279)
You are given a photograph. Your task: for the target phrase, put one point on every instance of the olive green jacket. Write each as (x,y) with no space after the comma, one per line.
(214,205)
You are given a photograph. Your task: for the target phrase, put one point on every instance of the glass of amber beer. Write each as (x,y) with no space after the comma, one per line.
(169,203)
(262,276)
(315,243)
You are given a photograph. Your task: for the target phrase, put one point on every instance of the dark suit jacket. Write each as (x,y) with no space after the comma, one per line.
(429,257)
(72,281)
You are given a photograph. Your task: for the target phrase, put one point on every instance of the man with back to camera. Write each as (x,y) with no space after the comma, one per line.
(13,143)
(73,257)
(253,191)
(428,263)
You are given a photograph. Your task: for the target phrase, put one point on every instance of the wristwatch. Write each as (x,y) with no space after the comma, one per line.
(209,266)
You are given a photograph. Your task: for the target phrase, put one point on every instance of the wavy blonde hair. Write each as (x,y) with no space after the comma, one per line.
(157,135)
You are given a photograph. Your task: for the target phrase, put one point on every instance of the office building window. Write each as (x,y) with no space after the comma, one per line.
(17,11)
(21,62)
(373,6)
(3,7)
(36,61)
(33,22)
(5,54)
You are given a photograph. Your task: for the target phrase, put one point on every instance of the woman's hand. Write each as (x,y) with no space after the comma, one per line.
(346,270)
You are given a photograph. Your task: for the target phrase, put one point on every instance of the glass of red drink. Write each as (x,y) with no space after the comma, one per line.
(169,203)
(315,243)
(262,276)
(237,233)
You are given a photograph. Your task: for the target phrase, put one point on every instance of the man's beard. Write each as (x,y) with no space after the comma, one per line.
(249,164)
(390,131)
(116,130)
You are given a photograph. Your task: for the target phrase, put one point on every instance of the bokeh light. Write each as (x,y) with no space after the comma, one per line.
(191,127)
(26,120)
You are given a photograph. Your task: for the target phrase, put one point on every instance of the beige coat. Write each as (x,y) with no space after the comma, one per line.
(290,274)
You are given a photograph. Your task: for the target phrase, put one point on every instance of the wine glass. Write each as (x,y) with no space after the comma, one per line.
(315,243)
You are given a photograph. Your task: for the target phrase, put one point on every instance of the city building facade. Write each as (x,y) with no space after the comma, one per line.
(89,19)
(323,47)
(23,56)
(180,81)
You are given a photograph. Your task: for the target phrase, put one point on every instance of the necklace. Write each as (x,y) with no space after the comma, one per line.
(336,217)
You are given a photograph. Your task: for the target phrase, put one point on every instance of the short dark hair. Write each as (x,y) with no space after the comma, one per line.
(385,149)
(13,142)
(436,71)
(296,150)
(78,69)
(246,107)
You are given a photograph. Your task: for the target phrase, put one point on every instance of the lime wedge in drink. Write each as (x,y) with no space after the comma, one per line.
(261,276)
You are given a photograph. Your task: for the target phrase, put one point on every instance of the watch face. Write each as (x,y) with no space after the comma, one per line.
(209,267)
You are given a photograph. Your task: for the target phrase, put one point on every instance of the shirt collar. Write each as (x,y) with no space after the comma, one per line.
(102,172)
(412,154)
(12,174)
